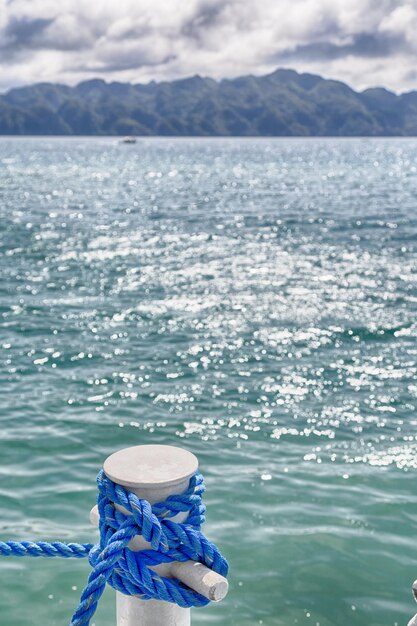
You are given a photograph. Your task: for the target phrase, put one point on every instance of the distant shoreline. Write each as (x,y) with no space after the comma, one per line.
(281,104)
(117,138)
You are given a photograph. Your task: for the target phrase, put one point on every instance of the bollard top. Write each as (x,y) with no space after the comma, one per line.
(150,466)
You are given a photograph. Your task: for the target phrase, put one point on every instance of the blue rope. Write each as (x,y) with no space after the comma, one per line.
(44,548)
(129,572)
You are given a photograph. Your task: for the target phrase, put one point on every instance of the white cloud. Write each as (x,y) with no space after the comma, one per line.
(363,42)
(402,21)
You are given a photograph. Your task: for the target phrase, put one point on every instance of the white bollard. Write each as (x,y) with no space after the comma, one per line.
(153,473)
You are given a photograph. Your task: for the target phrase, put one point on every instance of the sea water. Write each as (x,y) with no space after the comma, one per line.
(253,300)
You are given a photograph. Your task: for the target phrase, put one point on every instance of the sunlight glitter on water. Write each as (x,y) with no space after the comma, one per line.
(254,301)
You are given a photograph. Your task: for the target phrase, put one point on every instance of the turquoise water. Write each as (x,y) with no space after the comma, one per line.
(251,300)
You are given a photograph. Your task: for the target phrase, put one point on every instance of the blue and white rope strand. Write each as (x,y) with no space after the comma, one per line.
(127,571)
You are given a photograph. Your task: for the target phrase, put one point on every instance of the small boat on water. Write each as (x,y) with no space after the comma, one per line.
(128,140)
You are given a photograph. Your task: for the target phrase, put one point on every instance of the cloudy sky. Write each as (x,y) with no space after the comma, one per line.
(362,42)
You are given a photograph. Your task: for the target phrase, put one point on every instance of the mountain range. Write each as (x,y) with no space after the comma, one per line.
(283,103)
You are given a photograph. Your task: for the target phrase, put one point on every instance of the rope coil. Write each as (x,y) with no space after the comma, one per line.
(127,571)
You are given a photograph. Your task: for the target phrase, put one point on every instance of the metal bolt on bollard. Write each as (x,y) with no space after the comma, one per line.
(413,620)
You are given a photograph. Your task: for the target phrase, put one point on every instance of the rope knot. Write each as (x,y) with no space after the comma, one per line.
(123,516)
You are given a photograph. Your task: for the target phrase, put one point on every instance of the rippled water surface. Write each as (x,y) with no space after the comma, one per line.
(251,300)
